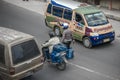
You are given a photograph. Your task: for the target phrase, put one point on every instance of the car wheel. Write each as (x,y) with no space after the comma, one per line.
(57,31)
(87,42)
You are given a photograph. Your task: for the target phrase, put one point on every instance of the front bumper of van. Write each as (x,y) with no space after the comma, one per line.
(103,38)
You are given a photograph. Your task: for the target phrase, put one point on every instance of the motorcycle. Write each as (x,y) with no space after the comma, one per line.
(57,57)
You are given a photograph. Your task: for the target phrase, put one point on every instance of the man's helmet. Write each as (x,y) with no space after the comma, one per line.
(65,25)
(51,34)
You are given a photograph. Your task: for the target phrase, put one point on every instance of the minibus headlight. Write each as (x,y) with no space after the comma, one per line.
(96,36)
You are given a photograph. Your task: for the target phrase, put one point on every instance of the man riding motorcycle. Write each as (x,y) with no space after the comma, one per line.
(67,37)
(55,52)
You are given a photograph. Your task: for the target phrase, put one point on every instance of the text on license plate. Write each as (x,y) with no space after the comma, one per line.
(106,40)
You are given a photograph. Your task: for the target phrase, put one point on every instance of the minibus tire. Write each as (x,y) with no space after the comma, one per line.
(87,42)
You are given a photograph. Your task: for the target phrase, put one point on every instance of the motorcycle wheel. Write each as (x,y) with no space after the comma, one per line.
(61,66)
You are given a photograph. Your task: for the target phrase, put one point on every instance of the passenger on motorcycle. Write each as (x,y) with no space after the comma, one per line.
(53,41)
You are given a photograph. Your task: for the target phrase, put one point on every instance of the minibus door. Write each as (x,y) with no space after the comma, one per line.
(79,27)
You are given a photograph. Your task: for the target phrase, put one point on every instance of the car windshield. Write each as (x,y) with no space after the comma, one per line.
(96,19)
(24,51)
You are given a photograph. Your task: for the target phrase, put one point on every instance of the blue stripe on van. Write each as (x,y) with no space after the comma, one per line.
(57,4)
(101,37)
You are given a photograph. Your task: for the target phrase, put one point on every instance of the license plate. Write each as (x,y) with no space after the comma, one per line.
(106,40)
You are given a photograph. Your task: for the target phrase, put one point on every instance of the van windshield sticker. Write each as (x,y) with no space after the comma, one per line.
(89,16)
(83,4)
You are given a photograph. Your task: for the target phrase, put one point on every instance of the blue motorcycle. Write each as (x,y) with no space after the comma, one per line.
(59,55)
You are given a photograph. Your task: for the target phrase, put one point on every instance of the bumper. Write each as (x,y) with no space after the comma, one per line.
(103,38)
(25,73)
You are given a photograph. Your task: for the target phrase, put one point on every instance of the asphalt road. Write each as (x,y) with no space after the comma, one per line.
(99,63)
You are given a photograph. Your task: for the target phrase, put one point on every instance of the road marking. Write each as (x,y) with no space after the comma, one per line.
(92,71)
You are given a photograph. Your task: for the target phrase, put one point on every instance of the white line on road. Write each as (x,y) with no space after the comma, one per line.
(92,71)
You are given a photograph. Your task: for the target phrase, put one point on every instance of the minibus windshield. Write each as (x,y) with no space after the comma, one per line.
(96,19)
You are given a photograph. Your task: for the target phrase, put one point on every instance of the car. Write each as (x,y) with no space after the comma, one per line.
(20,54)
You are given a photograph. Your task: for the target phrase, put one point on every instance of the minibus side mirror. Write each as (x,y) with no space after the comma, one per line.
(80,24)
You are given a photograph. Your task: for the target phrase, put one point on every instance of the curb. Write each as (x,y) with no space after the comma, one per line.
(113,17)
(110,16)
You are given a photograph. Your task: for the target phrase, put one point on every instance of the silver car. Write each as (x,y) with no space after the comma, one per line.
(20,55)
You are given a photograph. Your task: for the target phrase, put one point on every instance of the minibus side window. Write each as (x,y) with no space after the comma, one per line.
(57,11)
(2,57)
(79,19)
(67,14)
(49,8)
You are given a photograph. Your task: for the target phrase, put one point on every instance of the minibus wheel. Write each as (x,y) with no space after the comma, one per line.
(87,42)
(57,31)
